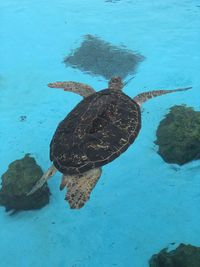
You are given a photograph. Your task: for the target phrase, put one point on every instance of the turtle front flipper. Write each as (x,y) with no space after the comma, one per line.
(79,187)
(143,97)
(81,89)
(50,172)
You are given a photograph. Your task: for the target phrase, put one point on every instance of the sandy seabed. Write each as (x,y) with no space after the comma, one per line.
(141,204)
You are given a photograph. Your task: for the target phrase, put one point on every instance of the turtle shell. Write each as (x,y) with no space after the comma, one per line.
(95,132)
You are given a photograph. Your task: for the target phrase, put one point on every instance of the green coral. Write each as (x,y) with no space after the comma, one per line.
(20,177)
(182,256)
(178,135)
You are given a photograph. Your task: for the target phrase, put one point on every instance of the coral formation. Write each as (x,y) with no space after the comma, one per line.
(20,177)
(182,256)
(178,135)
(101,58)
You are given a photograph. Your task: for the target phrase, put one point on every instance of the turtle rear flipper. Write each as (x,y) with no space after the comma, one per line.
(50,172)
(81,89)
(79,187)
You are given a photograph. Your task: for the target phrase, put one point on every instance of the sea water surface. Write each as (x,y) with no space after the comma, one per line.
(141,204)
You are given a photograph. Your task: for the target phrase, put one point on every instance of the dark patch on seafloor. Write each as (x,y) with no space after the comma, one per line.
(23,118)
(178,135)
(20,177)
(98,57)
(182,256)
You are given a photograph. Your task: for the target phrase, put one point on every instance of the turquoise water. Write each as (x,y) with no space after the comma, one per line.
(141,204)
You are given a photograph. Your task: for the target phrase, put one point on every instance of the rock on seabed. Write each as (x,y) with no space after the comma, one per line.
(182,256)
(20,177)
(178,135)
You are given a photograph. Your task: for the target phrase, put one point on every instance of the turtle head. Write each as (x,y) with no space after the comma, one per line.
(115,83)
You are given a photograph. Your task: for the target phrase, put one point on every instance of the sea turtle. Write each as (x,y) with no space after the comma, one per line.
(101,127)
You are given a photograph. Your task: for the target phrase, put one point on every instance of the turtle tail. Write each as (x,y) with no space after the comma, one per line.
(143,97)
